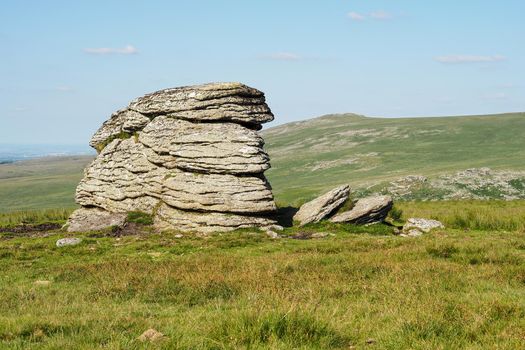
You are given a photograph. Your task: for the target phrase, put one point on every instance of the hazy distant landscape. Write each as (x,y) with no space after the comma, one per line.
(13,152)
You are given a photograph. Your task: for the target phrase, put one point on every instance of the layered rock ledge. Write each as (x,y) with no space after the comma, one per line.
(189,156)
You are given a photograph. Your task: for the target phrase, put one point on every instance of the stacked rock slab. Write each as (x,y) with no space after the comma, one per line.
(190,156)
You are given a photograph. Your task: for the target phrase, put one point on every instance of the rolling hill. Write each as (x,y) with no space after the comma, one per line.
(311,156)
(317,154)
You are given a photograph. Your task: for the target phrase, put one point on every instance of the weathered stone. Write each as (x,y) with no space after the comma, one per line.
(169,218)
(323,206)
(122,121)
(418,226)
(366,210)
(209,102)
(93,219)
(213,192)
(223,148)
(121,179)
(191,151)
(68,241)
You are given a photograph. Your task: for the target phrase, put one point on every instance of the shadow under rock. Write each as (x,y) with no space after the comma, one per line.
(285,216)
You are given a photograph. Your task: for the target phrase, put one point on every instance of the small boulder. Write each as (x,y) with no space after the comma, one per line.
(366,211)
(150,335)
(68,241)
(321,207)
(417,226)
(93,219)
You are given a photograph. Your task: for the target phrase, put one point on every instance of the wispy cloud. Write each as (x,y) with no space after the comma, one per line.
(469,59)
(355,16)
(282,56)
(381,15)
(127,50)
(20,109)
(377,15)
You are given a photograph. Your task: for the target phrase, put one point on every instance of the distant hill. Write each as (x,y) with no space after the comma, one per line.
(311,156)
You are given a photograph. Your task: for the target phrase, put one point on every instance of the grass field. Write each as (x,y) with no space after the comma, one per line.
(40,183)
(315,155)
(455,288)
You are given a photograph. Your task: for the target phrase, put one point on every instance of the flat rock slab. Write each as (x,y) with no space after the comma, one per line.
(68,241)
(222,148)
(169,218)
(366,210)
(94,219)
(209,102)
(323,206)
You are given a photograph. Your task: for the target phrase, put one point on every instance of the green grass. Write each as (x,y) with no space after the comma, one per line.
(494,215)
(316,155)
(34,217)
(139,217)
(451,289)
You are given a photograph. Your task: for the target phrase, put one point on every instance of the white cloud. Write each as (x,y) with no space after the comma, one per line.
(378,15)
(469,59)
(127,50)
(354,16)
(381,15)
(282,56)
(20,109)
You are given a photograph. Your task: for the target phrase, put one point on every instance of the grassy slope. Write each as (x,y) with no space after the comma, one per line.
(40,183)
(447,290)
(377,149)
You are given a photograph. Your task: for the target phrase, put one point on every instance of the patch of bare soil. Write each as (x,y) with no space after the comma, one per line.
(26,230)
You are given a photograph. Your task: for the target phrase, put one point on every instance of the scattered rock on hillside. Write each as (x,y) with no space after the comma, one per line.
(475,183)
(68,241)
(366,210)
(150,335)
(189,156)
(417,226)
(321,207)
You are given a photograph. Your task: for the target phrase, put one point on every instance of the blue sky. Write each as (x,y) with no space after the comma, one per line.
(67,65)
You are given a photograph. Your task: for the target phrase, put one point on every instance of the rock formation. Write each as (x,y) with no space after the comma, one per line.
(366,211)
(323,206)
(190,156)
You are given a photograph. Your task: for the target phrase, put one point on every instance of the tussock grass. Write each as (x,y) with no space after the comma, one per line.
(59,215)
(491,215)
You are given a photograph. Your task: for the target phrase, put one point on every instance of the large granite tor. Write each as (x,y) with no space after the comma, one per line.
(190,156)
